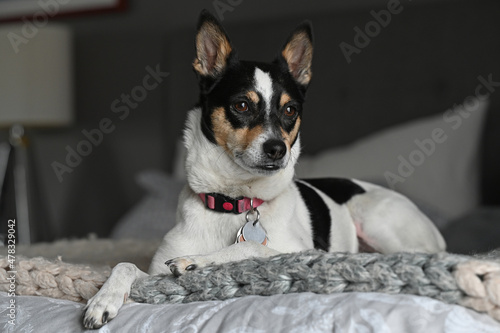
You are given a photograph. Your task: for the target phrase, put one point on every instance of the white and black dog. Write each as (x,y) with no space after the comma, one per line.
(242,144)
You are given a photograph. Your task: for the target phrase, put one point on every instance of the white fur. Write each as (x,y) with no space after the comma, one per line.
(392,222)
(264,85)
(388,221)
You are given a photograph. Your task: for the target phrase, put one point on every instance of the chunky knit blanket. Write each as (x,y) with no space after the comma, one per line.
(52,278)
(473,282)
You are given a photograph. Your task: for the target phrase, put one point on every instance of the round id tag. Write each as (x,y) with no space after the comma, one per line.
(252,230)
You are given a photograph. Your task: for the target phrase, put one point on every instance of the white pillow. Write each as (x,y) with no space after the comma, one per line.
(403,158)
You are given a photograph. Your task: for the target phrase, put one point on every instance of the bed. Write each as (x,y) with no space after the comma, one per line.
(353,312)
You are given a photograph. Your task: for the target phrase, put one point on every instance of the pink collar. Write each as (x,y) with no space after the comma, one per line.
(224,204)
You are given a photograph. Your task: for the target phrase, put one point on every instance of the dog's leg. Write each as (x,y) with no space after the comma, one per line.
(105,304)
(389,222)
(235,252)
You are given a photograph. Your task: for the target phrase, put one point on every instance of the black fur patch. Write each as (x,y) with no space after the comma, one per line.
(232,86)
(340,190)
(320,216)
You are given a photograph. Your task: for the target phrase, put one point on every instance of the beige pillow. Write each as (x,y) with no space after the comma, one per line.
(433,160)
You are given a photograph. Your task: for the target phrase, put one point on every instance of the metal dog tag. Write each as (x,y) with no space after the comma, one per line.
(252,230)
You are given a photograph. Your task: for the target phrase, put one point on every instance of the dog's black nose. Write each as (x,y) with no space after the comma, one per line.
(275,149)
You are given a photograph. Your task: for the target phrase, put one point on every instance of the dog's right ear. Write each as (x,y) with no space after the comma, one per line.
(212,46)
(298,52)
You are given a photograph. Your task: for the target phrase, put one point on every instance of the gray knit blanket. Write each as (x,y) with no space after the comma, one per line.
(464,280)
(473,282)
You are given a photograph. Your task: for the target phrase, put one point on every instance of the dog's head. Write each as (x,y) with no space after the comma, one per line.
(252,110)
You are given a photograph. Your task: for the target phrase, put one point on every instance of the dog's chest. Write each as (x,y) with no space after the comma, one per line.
(287,225)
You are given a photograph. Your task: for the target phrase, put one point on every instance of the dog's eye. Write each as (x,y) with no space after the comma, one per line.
(241,106)
(290,111)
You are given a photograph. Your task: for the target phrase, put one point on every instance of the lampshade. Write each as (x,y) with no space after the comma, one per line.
(36,86)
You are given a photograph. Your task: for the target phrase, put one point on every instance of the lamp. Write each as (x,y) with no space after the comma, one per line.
(35,91)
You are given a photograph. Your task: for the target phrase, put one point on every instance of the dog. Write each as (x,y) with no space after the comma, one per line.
(241,201)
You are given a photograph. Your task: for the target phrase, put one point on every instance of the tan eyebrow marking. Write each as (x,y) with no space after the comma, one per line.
(253,96)
(285,98)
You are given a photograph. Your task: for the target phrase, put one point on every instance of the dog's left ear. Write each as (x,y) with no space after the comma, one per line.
(212,46)
(298,52)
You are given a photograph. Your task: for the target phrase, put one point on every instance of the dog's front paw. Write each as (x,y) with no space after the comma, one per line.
(102,308)
(181,265)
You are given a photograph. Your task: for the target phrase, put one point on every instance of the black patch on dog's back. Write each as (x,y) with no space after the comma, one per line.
(320,216)
(340,190)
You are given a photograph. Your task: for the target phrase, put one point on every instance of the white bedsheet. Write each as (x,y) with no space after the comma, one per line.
(301,313)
